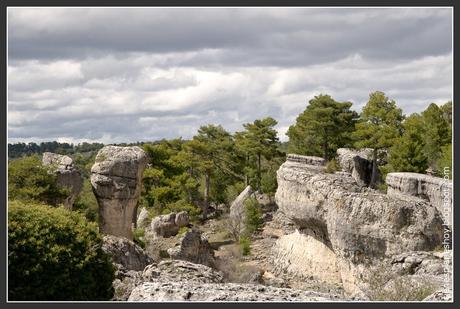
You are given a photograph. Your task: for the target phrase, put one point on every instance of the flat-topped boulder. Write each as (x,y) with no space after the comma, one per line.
(116,178)
(68,175)
(435,190)
(168,225)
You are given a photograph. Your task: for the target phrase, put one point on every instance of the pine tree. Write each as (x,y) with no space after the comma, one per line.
(324,126)
(379,127)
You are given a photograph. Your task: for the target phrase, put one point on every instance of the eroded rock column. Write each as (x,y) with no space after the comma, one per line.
(116,178)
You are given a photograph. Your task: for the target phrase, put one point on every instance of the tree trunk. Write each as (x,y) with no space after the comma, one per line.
(258,171)
(374,170)
(247,164)
(206,194)
(325,151)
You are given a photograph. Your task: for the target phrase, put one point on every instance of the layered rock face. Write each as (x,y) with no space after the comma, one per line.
(356,224)
(356,162)
(193,247)
(238,211)
(67,175)
(435,190)
(116,178)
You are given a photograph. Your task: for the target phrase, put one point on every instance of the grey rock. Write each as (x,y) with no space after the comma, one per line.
(238,211)
(143,218)
(116,178)
(309,160)
(193,247)
(188,291)
(357,224)
(356,162)
(168,225)
(126,253)
(435,190)
(67,175)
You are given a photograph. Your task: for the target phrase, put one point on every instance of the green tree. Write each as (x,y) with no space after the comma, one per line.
(258,140)
(253,219)
(29,180)
(436,133)
(445,161)
(406,154)
(379,127)
(55,255)
(324,126)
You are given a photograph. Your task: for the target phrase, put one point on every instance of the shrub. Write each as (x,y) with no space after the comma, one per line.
(253,220)
(268,183)
(138,237)
(54,254)
(332,166)
(86,202)
(245,245)
(29,180)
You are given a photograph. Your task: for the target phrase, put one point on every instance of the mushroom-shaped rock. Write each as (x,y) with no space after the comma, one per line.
(67,175)
(116,178)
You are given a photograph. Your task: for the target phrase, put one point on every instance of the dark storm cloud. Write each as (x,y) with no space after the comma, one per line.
(118,75)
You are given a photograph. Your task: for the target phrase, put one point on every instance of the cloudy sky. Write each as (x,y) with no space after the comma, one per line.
(137,74)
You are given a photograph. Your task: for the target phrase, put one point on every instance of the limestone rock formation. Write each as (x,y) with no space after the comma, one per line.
(116,178)
(356,162)
(67,175)
(354,223)
(435,190)
(238,211)
(309,160)
(168,225)
(185,291)
(193,247)
(143,218)
(126,253)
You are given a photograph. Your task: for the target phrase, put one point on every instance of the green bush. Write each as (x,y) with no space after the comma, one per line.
(138,237)
(29,180)
(55,254)
(245,245)
(253,221)
(86,202)
(332,166)
(268,183)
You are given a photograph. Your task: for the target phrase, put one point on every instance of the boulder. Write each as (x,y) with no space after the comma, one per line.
(168,225)
(356,162)
(435,190)
(116,178)
(238,211)
(126,253)
(143,218)
(356,224)
(67,175)
(193,247)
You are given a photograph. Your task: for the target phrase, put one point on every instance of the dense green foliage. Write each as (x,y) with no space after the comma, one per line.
(379,126)
(28,180)
(324,126)
(245,245)
(21,149)
(54,254)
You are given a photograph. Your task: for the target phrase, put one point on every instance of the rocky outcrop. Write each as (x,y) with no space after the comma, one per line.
(435,190)
(168,225)
(143,218)
(238,210)
(193,247)
(356,162)
(116,178)
(67,174)
(184,291)
(126,253)
(309,160)
(356,224)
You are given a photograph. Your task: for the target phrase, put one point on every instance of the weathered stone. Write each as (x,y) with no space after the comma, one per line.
(356,162)
(309,160)
(116,178)
(143,218)
(193,247)
(188,291)
(238,210)
(168,225)
(126,253)
(67,175)
(435,190)
(357,224)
